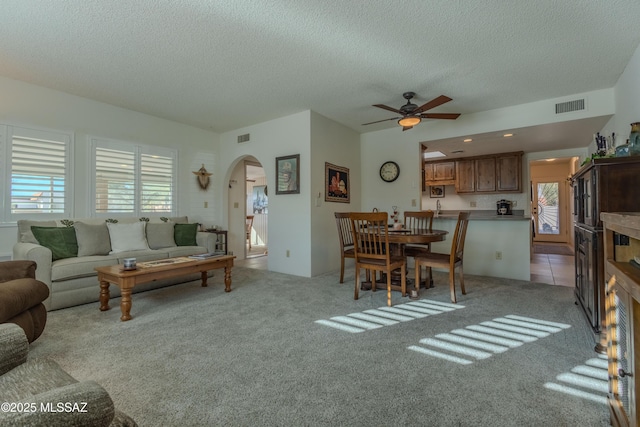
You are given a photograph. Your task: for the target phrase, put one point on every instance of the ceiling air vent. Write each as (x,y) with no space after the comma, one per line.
(566,107)
(244,138)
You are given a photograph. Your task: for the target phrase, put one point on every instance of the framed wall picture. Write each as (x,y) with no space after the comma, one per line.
(336,180)
(288,174)
(436,191)
(260,199)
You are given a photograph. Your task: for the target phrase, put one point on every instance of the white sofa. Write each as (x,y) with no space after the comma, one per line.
(73,280)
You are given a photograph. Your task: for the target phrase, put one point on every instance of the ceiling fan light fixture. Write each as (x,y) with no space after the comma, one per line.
(409,121)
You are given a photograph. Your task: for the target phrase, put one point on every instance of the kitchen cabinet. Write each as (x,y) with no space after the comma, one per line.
(622,243)
(439,173)
(602,185)
(465,176)
(500,173)
(486,175)
(509,173)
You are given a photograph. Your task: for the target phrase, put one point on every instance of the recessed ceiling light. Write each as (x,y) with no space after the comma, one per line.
(549,160)
(467,140)
(507,135)
(457,151)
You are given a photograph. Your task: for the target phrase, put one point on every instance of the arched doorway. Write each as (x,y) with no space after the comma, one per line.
(257,209)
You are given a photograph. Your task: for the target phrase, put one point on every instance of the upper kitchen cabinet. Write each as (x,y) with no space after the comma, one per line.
(509,173)
(486,175)
(440,173)
(465,176)
(499,173)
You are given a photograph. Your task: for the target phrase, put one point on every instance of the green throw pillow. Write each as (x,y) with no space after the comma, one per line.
(61,240)
(185,234)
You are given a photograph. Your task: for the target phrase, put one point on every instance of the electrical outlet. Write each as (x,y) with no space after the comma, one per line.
(514,204)
(206,204)
(498,255)
(288,253)
(413,202)
(473,204)
(236,205)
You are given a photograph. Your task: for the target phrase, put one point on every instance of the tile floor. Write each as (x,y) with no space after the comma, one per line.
(553,269)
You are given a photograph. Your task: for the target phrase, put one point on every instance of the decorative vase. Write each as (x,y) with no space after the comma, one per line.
(622,150)
(634,139)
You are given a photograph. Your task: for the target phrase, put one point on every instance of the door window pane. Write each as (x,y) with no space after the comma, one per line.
(548,215)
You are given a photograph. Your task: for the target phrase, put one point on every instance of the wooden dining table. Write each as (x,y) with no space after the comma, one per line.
(399,238)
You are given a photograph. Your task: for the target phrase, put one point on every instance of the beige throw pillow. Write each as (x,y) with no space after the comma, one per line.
(127,237)
(25,235)
(92,239)
(160,235)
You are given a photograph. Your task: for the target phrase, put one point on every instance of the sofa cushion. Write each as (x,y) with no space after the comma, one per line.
(127,237)
(185,234)
(60,240)
(160,235)
(93,239)
(71,268)
(25,235)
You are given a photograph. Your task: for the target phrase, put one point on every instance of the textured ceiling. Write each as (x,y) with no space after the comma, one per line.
(226,64)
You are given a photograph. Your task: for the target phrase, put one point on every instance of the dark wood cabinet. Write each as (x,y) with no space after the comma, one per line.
(486,175)
(602,185)
(439,173)
(588,268)
(509,173)
(499,173)
(465,176)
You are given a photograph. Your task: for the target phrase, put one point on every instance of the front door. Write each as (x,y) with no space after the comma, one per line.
(549,210)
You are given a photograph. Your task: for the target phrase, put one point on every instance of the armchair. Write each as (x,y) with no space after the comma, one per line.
(36,383)
(21,297)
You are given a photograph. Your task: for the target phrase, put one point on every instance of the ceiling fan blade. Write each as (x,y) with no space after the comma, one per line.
(446,116)
(406,128)
(385,107)
(432,104)
(378,121)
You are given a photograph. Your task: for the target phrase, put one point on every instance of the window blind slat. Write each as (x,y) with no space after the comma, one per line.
(38,174)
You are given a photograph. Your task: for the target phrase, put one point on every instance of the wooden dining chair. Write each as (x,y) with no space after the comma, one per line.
(345,237)
(249,225)
(449,261)
(418,220)
(371,246)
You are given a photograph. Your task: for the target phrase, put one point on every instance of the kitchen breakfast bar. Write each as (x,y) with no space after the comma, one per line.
(491,236)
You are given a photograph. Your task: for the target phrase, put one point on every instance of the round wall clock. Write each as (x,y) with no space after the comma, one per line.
(389,171)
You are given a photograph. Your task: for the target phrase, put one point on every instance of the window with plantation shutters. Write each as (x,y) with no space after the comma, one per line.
(115,181)
(133,179)
(38,169)
(156,183)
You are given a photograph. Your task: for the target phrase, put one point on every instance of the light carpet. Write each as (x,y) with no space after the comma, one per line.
(257,356)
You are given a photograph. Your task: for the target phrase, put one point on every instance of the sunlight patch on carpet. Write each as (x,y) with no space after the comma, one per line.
(588,381)
(386,316)
(477,342)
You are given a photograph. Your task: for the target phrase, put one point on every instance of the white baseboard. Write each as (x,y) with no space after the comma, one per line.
(5,257)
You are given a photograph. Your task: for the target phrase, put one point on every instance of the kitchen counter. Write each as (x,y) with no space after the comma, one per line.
(485,215)
(495,245)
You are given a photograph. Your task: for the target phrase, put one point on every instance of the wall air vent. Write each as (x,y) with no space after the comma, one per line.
(244,138)
(566,107)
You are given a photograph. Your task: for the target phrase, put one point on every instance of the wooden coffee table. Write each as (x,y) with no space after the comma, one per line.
(156,270)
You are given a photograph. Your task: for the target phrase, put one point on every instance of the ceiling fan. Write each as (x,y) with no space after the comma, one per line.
(411,114)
